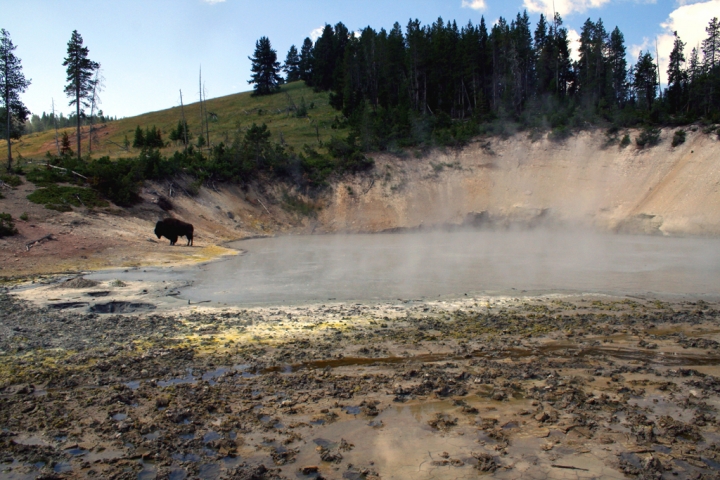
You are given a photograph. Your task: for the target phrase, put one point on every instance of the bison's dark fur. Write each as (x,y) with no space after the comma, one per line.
(172,228)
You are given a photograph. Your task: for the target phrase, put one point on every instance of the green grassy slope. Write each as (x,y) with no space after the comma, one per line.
(234,114)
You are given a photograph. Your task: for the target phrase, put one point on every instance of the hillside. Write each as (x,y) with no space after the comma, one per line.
(581,182)
(493,182)
(234,113)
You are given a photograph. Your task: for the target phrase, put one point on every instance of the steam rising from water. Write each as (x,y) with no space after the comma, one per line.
(304,269)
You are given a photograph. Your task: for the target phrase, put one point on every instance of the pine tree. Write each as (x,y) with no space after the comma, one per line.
(564,74)
(695,77)
(265,68)
(324,60)
(711,65)
(12,84)
(711,45)
(292,65)
(592,63)
(677,77)
(65,149)
(139,140)
(181,133)
(645,80)
(306,55)
(523,42)
(618,68)
(80,72)
(153,138)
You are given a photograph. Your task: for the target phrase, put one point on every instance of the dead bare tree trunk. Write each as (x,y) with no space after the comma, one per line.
(207,123)
(93,103)
(57,144)
(182,110)
(657,59)
(202,124)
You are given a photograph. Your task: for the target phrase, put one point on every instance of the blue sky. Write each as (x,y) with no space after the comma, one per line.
(150,49)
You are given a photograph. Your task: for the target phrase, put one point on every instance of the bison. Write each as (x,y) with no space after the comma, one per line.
(172,228)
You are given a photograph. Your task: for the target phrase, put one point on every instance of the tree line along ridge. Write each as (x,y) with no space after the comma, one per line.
(421,87)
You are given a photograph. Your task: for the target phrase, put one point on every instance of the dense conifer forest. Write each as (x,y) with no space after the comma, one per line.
(425,86)
(442,83)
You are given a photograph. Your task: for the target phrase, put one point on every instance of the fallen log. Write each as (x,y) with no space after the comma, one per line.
(569,467)
(65,169)
(29,245)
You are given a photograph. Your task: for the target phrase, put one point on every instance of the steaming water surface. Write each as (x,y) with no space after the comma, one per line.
(307,269)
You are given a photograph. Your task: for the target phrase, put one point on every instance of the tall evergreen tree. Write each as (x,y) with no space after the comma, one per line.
(618,68)
(711,45)
(80,77)
(265,68)
(677,76)
(565,75)
(523,42)
(711,65)
(543,45)
(12,84)
(291,67)
(591,73)
(695,76)
(645,80)
(306,54)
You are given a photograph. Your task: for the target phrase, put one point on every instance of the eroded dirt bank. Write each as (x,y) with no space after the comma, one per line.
(581,181)
(545,387)
(492,182)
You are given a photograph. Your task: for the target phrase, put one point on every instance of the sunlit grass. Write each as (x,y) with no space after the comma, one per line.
(234,113)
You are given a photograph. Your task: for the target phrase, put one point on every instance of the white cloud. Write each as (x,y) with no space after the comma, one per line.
(474,4)
(563,7)
(317,33)
(689,21)
(213,2)
(642,47)
(574,40)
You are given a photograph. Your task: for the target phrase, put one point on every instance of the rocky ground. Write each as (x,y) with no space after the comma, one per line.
(544,387)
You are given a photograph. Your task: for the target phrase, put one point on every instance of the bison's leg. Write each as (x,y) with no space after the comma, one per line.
(173,240)
(190,240)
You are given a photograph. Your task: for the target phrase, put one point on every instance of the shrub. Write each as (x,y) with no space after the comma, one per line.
(560,133)
(678,138)
(194,188)
(24,217)
(59,198)
(625,141)
(7,226)
(12,180)
(118,181)
(302,110)
(62,207)
(47,176)
(316,167)
(649,137)
(297,205)
(350,159)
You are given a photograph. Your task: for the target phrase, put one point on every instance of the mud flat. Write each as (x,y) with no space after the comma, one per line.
(108,379)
